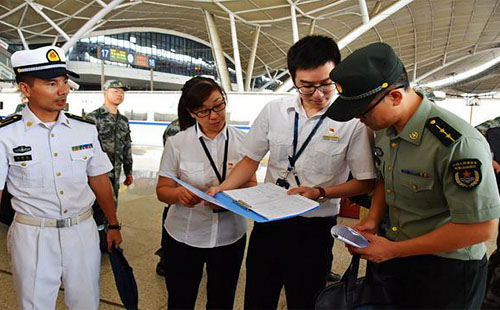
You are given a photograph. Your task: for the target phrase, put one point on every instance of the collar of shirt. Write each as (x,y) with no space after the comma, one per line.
(296,106)
(200,133)
(413,130)
(31,120)
(104,110)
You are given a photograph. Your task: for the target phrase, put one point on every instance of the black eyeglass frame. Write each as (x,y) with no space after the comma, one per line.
(320,87)
(379,101)
(214,109)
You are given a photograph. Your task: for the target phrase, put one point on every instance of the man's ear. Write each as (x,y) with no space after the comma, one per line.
(25,88)
(396,97)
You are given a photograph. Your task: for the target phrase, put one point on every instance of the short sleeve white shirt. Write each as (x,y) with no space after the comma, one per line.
(185,158)
(335,149)
(46,165)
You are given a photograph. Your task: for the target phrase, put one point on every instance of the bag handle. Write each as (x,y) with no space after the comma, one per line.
(350,277)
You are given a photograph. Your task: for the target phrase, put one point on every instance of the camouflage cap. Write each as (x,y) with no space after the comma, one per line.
(115,84)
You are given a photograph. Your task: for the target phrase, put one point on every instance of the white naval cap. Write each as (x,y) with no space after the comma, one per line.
(45,62)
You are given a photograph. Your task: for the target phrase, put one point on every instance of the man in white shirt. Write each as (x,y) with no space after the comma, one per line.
(312,155)
(54,167)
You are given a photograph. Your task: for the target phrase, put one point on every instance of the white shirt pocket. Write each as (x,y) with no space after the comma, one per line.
(79,161)
(328,157)
(193,173)
(28,174)
(280,147)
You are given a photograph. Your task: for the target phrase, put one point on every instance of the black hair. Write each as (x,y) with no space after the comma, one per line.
(25,78)
(194,93)
(311,52)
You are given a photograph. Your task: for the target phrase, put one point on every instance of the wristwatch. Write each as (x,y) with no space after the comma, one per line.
(322,194)
(116,226)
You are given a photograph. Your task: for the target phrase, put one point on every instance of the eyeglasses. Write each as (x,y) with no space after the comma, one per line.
(310,90)
(216,108)
(379,101)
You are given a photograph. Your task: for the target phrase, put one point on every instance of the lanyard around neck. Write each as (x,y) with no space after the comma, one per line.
(210,159)
(293,159)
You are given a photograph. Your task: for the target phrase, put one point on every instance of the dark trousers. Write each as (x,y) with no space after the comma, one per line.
(184,269)
(432,282)
(296,253)
(492,298)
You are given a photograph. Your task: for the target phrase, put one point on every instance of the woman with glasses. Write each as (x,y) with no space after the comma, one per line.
(198,233)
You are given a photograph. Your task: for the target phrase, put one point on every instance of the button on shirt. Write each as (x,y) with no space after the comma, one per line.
(335,149)
(421,193)
(46,166)
(185,158)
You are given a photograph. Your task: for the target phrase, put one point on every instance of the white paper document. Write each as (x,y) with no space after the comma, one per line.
(272,201)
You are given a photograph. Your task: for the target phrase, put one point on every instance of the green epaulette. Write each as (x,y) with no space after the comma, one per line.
(442,130)
(10,120)
(79,118)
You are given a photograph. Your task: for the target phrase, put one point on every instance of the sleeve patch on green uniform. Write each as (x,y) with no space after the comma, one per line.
(467,172)
(79,118)
(442,130)
(10,120)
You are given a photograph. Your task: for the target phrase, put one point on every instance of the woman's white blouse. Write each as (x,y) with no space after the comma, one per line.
(185,158)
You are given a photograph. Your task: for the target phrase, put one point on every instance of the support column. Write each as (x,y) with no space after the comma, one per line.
(295,27)
(236,54)
(151,80)
(102,74)
(251,60)
(364,11)
(217,52)
(91,23)
(311,27)
(20,33)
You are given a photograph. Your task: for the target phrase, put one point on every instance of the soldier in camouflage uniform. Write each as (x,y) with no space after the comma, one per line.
(114,134)
(171,130)
(492,298)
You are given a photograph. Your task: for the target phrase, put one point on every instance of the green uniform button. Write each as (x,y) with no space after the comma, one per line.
(394,228)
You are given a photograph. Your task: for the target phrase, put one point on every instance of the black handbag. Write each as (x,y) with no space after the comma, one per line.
(374,291)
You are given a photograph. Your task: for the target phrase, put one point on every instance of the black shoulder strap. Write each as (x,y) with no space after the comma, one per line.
(79,118)
(10,120)
(442,130)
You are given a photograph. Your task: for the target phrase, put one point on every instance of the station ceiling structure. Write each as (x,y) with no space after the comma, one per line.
(436,39)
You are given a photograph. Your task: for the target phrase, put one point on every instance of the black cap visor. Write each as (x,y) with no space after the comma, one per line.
(344,110)
(51,73)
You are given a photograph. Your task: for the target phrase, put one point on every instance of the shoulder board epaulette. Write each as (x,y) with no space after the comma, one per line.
(79,118)
(442,130)
(10,120)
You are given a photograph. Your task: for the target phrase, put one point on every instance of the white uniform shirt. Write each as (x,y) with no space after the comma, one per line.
(336,148)
(46,167)
(185,158)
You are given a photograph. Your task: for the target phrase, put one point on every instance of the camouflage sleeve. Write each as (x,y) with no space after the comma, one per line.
(492,123)
(127,153)
(92,116)
(171,130)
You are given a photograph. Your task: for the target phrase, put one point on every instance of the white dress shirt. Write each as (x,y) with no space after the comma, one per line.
(46,165)
(185,158)
(335,149)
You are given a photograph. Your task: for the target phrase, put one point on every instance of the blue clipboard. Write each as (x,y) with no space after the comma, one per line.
(228,203)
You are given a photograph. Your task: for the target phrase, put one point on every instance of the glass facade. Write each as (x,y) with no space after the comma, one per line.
(145,50)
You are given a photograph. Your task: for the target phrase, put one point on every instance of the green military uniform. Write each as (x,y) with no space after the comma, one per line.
(114,134)
(492,298)
(435,171)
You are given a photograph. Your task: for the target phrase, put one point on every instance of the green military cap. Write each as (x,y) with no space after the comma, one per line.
(115,84)
(360,77)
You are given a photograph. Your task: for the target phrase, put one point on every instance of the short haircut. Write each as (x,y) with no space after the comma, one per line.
(28,79)
(311,52)
(194,93)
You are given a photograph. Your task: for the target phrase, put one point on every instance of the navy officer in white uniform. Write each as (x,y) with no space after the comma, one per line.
(54,168)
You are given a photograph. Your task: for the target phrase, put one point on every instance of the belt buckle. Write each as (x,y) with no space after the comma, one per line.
(63,223)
